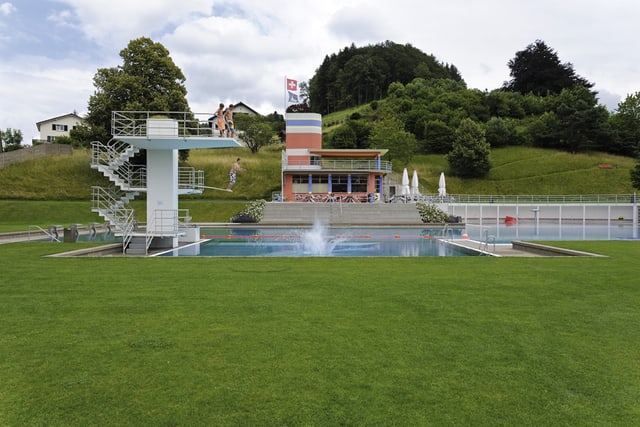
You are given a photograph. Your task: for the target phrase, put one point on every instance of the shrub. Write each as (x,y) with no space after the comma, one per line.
(252,213)
(431,213)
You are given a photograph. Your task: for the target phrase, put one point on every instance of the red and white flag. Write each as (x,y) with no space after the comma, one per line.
(291,90)
(292,85)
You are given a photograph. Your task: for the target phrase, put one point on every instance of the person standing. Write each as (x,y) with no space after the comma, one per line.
(235,168)
(228,118)
(220,119)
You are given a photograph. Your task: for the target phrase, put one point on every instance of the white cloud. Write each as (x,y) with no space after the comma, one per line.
(7,9)
(234,51)
(63,18)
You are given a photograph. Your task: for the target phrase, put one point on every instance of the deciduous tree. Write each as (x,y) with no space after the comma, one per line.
(147,80)
(10,140)
(389,133)
(253,130)
(626,125)
(469,157)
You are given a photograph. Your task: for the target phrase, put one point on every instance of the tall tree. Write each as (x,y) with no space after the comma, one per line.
(583,123)
(11,139)
(469,157)
(256,132)
(147,80)
(390,134)
(626,125)
(537,69)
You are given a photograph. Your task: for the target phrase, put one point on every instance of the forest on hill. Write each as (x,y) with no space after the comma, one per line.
(358,75)
(410,103)
(403,100)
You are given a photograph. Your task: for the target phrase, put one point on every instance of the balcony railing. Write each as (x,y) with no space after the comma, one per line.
(338,165)
(187,124)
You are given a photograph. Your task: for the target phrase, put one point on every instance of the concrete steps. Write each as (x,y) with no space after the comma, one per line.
(302,213)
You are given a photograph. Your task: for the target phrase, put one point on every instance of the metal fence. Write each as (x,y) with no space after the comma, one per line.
(542,199)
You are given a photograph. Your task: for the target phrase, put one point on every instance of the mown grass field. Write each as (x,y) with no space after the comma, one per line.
(315,341)
(319,341)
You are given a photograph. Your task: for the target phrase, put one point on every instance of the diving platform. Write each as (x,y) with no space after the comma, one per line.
(161,130)
(162,134)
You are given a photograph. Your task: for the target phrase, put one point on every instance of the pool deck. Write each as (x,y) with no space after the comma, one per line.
(518,249)
(513,249)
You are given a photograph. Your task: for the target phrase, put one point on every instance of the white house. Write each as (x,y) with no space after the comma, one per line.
(50,129)
(243,108)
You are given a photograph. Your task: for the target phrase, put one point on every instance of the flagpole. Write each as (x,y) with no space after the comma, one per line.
(284,113)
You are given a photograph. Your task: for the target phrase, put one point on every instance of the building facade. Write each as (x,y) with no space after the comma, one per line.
(51,129)
(313,174)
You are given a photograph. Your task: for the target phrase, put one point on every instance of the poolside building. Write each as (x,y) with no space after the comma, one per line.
(313,174)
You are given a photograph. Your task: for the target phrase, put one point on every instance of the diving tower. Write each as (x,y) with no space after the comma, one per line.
(162,135)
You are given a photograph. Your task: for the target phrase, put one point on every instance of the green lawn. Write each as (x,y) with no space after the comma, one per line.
(319,341)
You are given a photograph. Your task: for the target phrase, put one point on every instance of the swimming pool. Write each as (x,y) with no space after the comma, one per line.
(387,241)
(321,241)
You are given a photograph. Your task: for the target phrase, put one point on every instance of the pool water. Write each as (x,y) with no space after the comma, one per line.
(318,241)
(387,242)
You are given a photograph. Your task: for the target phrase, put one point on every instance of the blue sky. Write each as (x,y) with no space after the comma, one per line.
(241,50)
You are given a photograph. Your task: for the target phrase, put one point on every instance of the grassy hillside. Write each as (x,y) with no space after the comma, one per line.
(520,170)
(516,170)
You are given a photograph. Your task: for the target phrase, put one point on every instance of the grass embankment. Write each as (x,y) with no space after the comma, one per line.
(59,188)
(516,170)
(319,341)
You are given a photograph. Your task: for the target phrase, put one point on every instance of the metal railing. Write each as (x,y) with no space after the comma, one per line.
(110,207)
(187,124)
(112,160)
(542,199)
(352,165)
(51,232)
(190,179)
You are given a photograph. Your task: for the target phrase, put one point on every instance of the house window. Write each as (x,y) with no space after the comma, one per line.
(300,179)
(319,183)
(59,128)
(51,138)
(359,183)
(339,183)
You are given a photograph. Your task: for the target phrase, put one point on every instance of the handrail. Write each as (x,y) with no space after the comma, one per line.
(188,124)
(111,208)
(190,178)
(484,246)
(54,236)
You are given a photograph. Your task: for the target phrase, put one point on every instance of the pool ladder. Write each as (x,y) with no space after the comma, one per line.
(488,239)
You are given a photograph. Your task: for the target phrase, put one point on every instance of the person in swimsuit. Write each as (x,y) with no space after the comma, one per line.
(235,168)
(228,118)
(220,119)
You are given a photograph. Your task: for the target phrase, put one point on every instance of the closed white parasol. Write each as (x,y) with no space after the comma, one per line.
(442,186)
(405,183)
(415,190)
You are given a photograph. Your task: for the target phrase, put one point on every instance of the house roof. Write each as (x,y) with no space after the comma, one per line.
(245,106)
(349,153)
(73,115)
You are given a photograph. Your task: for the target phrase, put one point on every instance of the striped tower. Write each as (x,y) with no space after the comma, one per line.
(304,132)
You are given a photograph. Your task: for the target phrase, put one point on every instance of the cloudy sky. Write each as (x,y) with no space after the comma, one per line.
(241,50)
